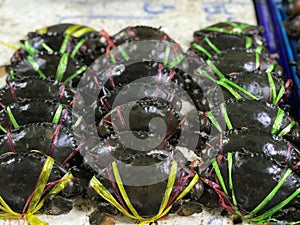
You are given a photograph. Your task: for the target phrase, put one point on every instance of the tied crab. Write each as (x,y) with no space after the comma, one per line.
(22,198)
(80,42)
(33,87)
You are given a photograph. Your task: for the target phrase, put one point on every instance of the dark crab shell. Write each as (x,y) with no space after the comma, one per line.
(254,176)
(260,116)
(160,77)
(257,83)
(34,111)
(231,62)
(33,87)
(208,46)
(82,42)
(139,33)
(233,28)
(154,191)
(54,140)
(256,142)
(19,173)
(54,65)
(100,153)
(138,115)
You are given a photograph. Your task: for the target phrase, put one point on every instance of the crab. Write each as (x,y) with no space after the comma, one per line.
(33,87)
(22,197)
(29,111)
(54,140)
(257,180)
(56,66)
(80,42)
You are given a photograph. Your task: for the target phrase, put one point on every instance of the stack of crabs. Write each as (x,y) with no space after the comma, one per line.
(83,114)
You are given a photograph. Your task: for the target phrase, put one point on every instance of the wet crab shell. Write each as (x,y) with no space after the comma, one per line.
(153,191)
(160,77)
(233,28)
(34,111)
(256,142)
(99,154)
(139,114)
(33,87)
(257,83)
(82,42)
(15,186)
(139,33)
(254,176)
(207,46)
(260,116)
(54,140)
(235,61)
(54,65)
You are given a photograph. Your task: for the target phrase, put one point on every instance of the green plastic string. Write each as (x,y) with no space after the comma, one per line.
(220,82)
(280,94)
(222,77)
(229,162)
(12,118)
(112,57)
(3,129)
(77,47)
(123,53)
(12,74)
(219,175)
(278,120)
(257,53)
(62,67)
(217,29)
(237,28)
(35,66)
(201,49)
(248,42)
(167,53)
(78,121)
(272,87)
(214,121)
(226,117)
(27,47)
(241,89)
(262,218)
(271,195)
(64,44)
(213,47)
(48,49)
(287,129)
(81,70)
(176,61)
(57,114)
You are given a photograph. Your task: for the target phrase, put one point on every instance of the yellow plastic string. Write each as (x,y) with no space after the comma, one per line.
(72,29)
(36,202)
(42,30)
(104,193)
(82,31)
(41,184)
(14,47)
(123,192)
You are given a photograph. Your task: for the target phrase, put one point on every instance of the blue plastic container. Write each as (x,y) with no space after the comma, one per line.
(271,14)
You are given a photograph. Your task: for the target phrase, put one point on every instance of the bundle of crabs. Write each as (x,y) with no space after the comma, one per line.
(133,121)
